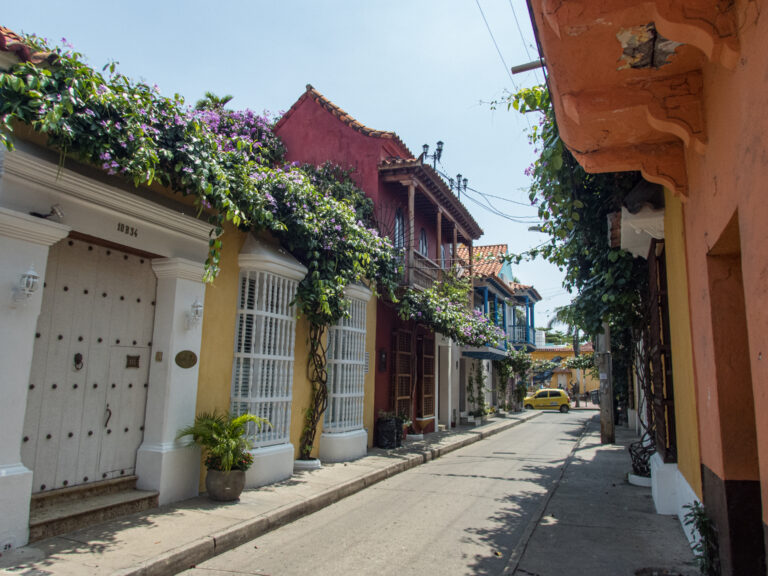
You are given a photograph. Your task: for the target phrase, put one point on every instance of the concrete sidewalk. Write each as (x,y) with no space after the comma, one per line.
(171,538)
(595,523)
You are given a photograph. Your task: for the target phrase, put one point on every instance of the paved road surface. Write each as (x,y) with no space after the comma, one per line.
(464,513)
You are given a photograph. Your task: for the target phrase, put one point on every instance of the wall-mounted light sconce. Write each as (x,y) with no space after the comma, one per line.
(55,211)
(195,314)
(383,360)
(27,285)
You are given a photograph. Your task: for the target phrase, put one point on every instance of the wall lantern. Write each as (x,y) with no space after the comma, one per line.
(195,314)
(27,285)
(383,360)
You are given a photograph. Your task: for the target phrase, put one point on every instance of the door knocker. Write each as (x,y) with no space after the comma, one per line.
(78,361)
(109,415)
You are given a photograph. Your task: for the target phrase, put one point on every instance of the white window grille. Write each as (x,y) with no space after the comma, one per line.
(399,233)
(262,376)
(346,371)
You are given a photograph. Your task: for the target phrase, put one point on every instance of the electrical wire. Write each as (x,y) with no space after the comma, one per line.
(522,38)
(489,207)
(498,50)
(501,57)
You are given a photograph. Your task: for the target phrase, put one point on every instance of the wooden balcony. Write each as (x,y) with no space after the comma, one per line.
(423,272)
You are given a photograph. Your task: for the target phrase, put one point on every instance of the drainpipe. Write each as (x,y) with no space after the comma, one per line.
(527,318)
(504,322)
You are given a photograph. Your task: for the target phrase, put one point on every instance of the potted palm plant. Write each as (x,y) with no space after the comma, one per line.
(223,440)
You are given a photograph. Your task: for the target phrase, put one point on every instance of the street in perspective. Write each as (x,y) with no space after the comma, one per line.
(540,498)
(335,287)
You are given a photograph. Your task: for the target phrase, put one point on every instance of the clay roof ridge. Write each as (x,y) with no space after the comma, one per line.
(15,43)
(344,116)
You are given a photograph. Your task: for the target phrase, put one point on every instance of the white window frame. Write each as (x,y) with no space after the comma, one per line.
(423,243)
(346,367)
(265,335)
(399,230)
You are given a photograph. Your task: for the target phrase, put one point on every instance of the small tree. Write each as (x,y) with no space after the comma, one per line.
(517,365)
(581,363)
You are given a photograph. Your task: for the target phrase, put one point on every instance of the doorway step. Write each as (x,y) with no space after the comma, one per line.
(69,509)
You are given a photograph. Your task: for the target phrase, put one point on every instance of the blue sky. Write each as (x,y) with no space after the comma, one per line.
(425,69)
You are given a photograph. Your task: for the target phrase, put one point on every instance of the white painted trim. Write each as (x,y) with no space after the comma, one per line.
(38,170)
(31,228)
(342,446)
(7,60)
(259,255)
(178,268)
(270,464)
(312,464)
(358,291)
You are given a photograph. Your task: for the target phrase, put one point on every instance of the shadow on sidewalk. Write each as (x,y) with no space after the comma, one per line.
(595,523)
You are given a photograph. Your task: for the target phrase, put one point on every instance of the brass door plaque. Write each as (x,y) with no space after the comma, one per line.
(186,359)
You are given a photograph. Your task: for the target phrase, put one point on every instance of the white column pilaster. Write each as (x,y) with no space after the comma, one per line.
(163,463)
(24,242)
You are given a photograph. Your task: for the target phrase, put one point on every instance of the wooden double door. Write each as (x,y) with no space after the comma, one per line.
(89,378)
(413,374)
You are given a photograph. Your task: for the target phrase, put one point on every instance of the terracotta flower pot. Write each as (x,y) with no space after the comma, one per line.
(224,486)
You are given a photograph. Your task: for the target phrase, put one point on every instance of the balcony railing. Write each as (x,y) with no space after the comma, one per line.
(516,335)
(424,273)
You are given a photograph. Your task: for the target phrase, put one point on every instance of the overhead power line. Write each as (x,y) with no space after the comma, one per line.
(498,50)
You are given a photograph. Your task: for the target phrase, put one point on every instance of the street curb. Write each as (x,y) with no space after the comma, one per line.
(205,548)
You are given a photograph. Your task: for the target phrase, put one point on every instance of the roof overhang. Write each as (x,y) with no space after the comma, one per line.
(619,107)
(483,353)
(433,186)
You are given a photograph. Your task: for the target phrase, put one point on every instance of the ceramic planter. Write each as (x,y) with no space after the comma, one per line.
(224,486)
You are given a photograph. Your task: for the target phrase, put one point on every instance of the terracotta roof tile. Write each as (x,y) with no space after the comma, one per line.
(486,260)
(345,117)
(487,264)
(14,43)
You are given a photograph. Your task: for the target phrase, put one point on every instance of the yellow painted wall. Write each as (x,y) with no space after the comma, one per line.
(590,382)
(216,352)
(686,417)
(219,316)
(302,389)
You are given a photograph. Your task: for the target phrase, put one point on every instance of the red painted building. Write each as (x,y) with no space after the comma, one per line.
(418,211)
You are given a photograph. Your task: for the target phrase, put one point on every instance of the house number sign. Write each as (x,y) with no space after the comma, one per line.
(186,359)
(131,231)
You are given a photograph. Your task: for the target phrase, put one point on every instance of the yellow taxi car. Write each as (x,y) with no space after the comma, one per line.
(548,399)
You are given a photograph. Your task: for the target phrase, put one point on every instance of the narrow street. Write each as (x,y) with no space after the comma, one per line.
(464,513)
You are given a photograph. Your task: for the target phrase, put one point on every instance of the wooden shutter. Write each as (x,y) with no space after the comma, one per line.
(402,358)
(662,397)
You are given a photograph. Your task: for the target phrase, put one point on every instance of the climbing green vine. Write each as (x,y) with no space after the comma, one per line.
(230,162)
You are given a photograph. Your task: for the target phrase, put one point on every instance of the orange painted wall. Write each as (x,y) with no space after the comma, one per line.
(728,179)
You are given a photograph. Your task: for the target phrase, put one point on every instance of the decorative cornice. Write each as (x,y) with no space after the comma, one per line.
(662,163)
(38,170)
(180,268)
(30,228)
(672,105)
(709,26)
(259,255)
(358,291)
